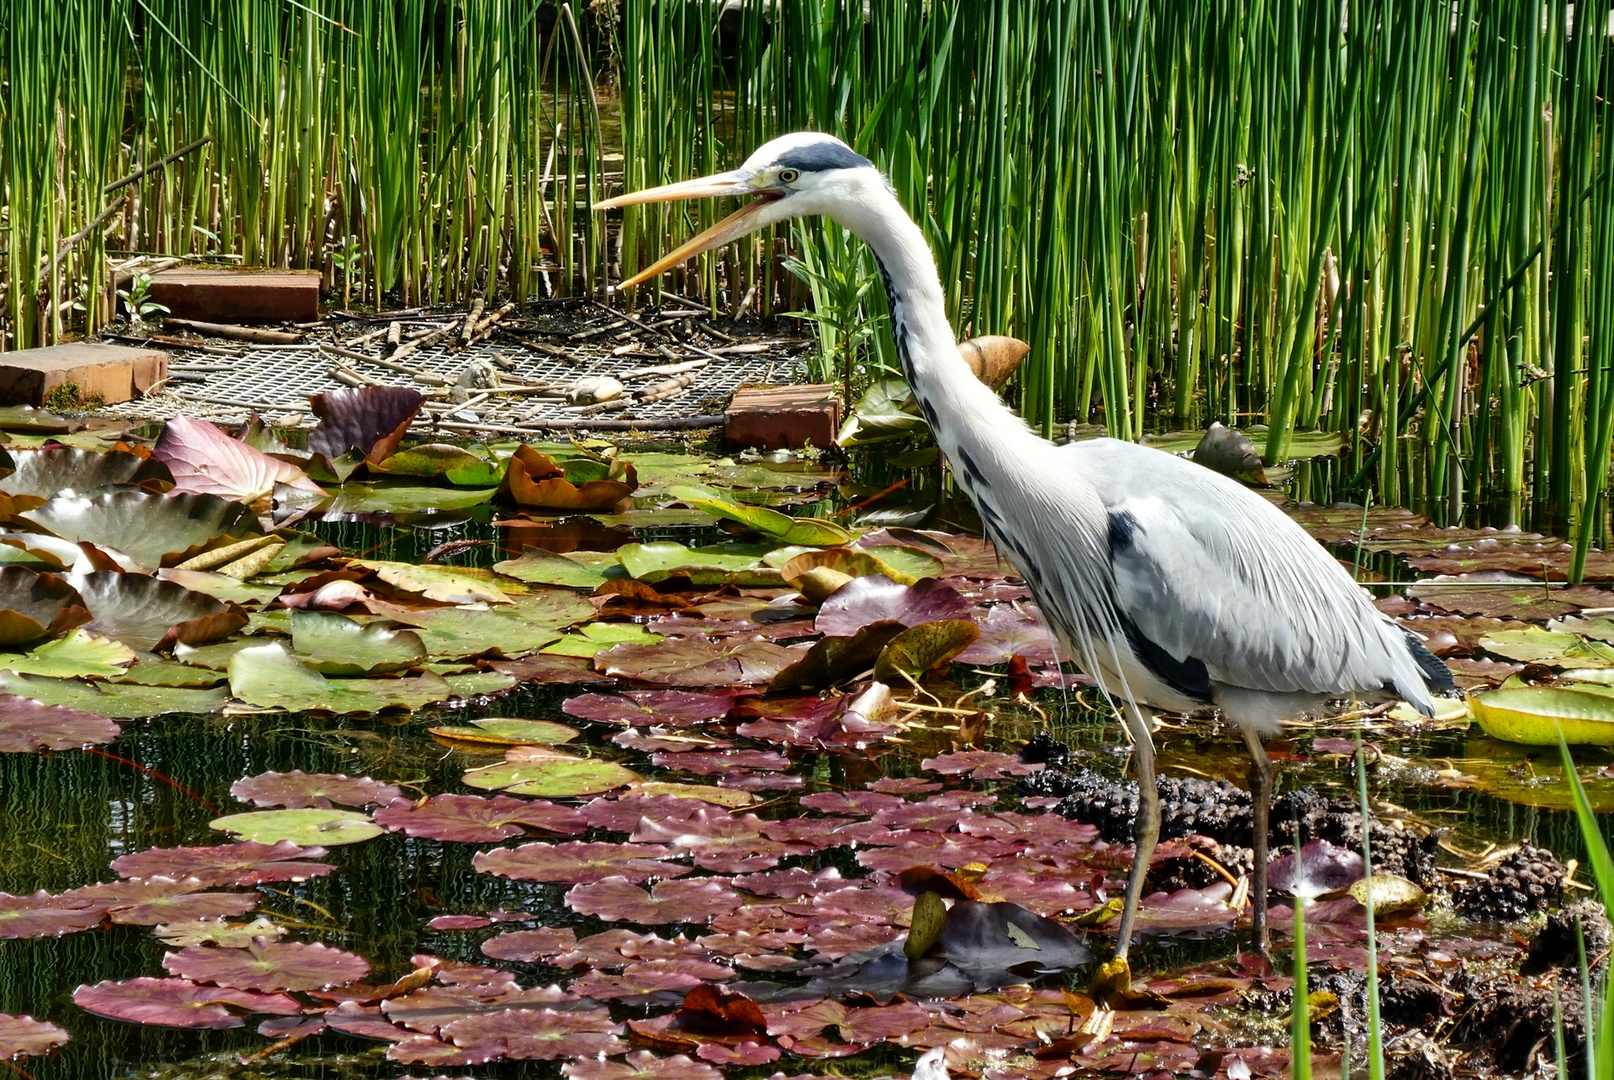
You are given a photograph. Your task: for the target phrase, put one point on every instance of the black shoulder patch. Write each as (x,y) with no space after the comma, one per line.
(1123,527)
(823,156)
(1188,676)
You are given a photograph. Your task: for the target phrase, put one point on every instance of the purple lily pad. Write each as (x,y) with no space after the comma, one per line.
(1011,630)
(640,708)
(719,841)
(364,1022)
(619,900)
(618,947)
(574,862)
(640,1065)
(269,966)
(1318,867)
(246,863)
(23,1036)
(178,1003)
(622,815)
(537,1034)
(426,1050)
(793,883)
(150,901)
(697,662)
(297,790)
(485,990)
(980,765)
(476,819)
(654,977)
(721,762)
(663,738)
(876,597)
(45,915)
(26,726)
(530,946)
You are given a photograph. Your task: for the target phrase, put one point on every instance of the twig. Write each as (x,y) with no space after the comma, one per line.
(159,163)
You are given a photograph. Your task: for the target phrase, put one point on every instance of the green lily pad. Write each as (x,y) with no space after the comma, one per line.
(594,637)
(121,701)
(457,633)
(221,586)
(572,571)
(885,411)
(552,776)
(150,671)
(151,529)
(813,532)
(336,645)
(76,655)
(499,732)
(269,676)
(665,559)
(1535,645)
(478,683)
(445,584)
(905,564)
(1534,715)
(452,463)
(733,798)
(919,648)
(856,562)
(393,497)
(305,828)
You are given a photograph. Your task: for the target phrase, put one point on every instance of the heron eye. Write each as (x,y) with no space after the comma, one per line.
(788,176)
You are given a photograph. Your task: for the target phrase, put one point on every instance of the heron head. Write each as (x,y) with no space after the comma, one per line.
(792,176)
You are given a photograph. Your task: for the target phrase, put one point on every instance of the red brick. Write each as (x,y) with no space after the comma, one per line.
(238,296)
(113,371)
(776,417)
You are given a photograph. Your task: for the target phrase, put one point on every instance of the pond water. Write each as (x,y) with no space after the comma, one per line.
(66,816)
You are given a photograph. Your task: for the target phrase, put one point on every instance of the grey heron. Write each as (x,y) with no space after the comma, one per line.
(1172,586)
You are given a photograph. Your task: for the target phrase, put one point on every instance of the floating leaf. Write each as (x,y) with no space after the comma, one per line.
(305,828)
(1535,645)
(919,648)
(665,559)
(225,935)
(445,584)
(245,863)
(37,605)
(45,915)
(369,419)
(26,726)
(885,411)
(77,655)
(149,613)
(268,966)
(552,776)
(497,733)
(454,464)
(23,1036)
(476,819)
(154,530)
(693,661)
(533,479)
(540,567)
(399,497)
(1392,895)
(121,701)
(573,863)
(46,471)
(204,460)
(271,677)
(298,790)
(1536,714)
(1318,867)
(512,631)
(593,638)
(619,900)
(877,598)
(179,1003)
(812,532)
(336,645)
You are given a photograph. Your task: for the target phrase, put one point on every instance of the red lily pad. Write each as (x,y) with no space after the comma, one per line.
(640,1065)
(26,726)
(1318,867)
(875,598)
(720,762)
(269,966)
(573,862)
(23,1036)
(150,901)
(537,1034)
(298,790)
(530,946)
(35,605)
(369,419)
(639,708)
(695,661)
(1503,596)
(204,460)
(45,915)
(980,765)
(619,900)
(476,819)
(245,863)
(179,1003)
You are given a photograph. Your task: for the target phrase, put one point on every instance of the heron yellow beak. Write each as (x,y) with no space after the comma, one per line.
(736,225)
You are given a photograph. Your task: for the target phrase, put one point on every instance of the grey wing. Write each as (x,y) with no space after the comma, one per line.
(1209,572)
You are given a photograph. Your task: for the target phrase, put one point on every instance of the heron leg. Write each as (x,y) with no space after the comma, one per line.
(1261,807)
(1145,827)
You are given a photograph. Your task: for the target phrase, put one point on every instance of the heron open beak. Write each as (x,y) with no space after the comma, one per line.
(736,225)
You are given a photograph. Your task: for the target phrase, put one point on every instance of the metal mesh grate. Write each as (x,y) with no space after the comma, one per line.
(227,382)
